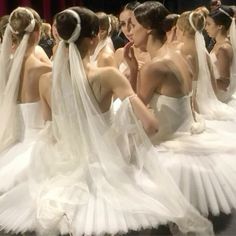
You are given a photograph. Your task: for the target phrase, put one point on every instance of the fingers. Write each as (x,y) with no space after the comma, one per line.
(127,48)
(132,52)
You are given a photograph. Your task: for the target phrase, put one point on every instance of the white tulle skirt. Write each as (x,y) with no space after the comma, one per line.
(204,166)
(15,161)
(62,195)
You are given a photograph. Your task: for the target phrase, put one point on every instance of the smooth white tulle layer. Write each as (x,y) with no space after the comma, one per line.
(80,198)
(15,160)
(203,166)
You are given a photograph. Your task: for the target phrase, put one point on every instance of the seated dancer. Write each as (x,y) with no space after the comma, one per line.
(192,156)
(21,116)
(141,56)
(220,24)
(205,100)
(104,52)
(79,181)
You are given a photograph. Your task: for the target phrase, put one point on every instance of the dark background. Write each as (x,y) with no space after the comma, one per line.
(48,8)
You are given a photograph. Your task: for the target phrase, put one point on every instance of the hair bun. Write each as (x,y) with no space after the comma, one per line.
(21,20)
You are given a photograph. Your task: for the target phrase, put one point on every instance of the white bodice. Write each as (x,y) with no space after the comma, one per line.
(173,114)
(32,118)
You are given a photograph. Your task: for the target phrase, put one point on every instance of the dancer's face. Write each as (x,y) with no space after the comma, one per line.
(139,34)
(125,23)
(211,27)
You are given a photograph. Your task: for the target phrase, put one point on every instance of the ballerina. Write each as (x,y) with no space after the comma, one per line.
(167,87)
(104,51)
(79,181)
(205,100)
(121,60)
(21,115)
(223,54)
(125,25)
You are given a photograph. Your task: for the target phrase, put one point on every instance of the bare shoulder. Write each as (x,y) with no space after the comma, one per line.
(41,54)
(154,67)
(107,73)
(38,49)
(119,55)
(225,51)
(108,76)
(106,58)
(35,68)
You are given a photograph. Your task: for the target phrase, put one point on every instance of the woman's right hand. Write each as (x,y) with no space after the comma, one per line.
(132,63)
(130,57)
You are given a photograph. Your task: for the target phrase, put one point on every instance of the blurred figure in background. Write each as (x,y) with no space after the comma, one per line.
(46,41)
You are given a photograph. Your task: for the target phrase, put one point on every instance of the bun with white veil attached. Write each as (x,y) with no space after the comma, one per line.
(79,180)
(19,123)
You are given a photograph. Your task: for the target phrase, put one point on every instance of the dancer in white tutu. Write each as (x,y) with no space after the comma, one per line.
(194,161)
(141,56)
(220,25)
(218,115)
(79,181)
(104,52)
(20,111)
(126,25)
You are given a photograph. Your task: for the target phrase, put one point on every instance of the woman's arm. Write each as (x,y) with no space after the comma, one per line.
(212,75)
(149,81)
(132,62)
(223,63)
(122,89)
(41,55)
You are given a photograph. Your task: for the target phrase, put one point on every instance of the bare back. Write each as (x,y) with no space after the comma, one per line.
(32,69)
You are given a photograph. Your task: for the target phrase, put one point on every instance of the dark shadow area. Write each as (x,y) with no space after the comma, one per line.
(221,222)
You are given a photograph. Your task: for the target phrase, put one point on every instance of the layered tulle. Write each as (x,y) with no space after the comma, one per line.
(203,163)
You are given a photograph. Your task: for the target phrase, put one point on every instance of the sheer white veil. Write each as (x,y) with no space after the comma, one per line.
(11,120)
(208,103)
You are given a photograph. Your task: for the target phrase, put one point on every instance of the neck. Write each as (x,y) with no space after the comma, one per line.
(86,62)
(188,45)
(220,38)
(153,45)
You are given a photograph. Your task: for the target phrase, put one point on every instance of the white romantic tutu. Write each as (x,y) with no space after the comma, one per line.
(14,161)
(66,195)
(202,163)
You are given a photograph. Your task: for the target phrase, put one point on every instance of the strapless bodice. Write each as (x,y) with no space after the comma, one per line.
(32,118)
(173,114)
